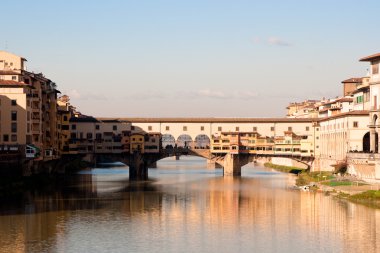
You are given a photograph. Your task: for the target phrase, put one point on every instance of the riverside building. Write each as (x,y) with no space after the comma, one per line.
(30,108)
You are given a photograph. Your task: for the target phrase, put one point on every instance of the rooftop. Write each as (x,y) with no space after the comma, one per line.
(12,83)
(214,120)
(353,80)
(371,57)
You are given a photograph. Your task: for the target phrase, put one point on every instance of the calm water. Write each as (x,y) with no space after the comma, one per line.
(185,208)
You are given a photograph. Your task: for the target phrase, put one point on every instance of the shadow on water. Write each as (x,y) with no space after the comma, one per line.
(95,188)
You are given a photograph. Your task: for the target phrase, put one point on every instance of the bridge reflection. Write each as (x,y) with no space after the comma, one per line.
(223,206)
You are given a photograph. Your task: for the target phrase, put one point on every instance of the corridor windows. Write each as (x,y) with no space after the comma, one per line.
(254,129)
(219,128)
(184,128)
(150,128)
(290,129)
(272,129)
(355,124)
(237,129)
(202,128)
(307,128)
(167,128)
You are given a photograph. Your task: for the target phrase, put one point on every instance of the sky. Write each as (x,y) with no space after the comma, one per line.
(199,58)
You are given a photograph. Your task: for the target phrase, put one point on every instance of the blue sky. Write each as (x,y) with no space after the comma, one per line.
(192,58)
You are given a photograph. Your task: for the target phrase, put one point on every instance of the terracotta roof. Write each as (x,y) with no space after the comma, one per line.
(87,119)
(214,120)
(8,72)
(371,57)
(344,99)
(353,80)
(12,83)
(342,115)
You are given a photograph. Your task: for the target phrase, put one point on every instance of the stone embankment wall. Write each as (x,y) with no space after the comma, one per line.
(282,161)
(364,166)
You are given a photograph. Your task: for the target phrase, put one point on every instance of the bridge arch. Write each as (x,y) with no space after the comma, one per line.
(185,141)
(168,141)
(202,141)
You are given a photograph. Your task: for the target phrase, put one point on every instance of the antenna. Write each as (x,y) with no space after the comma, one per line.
(6,46)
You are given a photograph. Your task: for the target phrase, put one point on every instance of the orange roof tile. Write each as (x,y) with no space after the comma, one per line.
(371,57)
(12,83)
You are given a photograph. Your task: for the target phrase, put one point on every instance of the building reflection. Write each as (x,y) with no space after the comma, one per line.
(220,206)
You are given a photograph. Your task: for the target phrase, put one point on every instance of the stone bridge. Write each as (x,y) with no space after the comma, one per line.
(231,163)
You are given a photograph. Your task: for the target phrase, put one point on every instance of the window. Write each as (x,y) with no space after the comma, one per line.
(307,128)
(149,128)
(13,102)
(167,128)
(290,129)
(98,136)
(97,127)
(65,118)
(219,128)
(202,128)
(184,128)
(114,127)
(237,129)
(14,127)
(5,138)
(14,78)
(132,128)
(254,129)
(73,127)
(13,115)
(355,124)
(272,129)
(375,68)
(13,137)
(89,135)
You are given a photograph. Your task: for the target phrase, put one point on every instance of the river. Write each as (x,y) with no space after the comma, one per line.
(184,207)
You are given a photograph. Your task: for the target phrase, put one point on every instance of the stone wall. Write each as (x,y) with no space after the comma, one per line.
(365,166)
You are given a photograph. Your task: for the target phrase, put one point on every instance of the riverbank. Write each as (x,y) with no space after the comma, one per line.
(342,187)
(283,168)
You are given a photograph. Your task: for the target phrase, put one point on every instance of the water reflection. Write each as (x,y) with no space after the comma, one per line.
(185,207)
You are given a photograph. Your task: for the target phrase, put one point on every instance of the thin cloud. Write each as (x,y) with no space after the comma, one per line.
(75,94)
(207,93)
(212,94)
(274,41)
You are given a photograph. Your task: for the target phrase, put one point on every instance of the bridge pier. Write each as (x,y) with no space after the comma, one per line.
(138,169)
(231,165)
